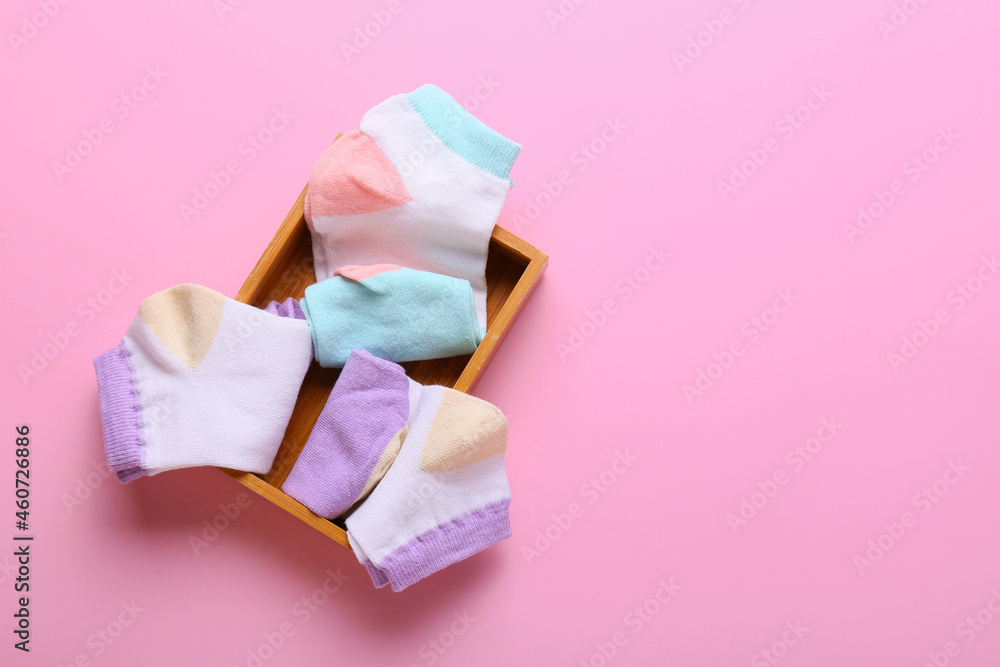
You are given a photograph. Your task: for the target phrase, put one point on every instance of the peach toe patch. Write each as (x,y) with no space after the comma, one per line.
(354,176)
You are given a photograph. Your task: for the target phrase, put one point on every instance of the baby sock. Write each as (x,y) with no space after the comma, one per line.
(395,313)
(420,184)
(355,439)
(200,379)
(445,496)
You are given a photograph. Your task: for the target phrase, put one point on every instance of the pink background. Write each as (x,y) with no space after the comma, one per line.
(552,87)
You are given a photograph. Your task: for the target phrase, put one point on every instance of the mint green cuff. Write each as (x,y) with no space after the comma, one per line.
(462,132)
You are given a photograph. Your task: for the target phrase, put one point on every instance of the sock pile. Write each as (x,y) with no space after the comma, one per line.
(431,457)
(401,213)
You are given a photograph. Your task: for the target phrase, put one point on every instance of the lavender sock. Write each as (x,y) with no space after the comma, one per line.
(355,439)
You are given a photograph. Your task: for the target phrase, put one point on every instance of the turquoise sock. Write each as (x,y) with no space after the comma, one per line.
(394,313)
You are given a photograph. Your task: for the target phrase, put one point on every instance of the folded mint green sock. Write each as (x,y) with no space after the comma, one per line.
(394,313)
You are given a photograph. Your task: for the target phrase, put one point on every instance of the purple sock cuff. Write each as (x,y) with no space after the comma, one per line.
(379,579)
(119,416)
(368,406)
(287,308)
(126,476)
(440,547)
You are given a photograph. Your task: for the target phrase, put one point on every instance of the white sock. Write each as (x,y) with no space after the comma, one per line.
(200,379)
(444,498)
(421,185)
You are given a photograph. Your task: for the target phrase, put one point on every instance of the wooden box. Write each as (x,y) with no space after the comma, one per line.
(285,269)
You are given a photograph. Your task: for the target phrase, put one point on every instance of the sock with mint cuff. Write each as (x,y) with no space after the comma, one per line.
(396,314)
(200,379)
(420,184)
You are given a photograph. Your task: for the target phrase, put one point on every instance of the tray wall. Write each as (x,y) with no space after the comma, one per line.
(513,270)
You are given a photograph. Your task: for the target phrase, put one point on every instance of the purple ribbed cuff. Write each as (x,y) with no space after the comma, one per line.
(287,308)
(119,415)
(440,547)
(378,578)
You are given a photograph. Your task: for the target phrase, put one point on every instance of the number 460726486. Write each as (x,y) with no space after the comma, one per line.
(21,475)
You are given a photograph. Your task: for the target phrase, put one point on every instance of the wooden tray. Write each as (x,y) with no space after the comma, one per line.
(513,269)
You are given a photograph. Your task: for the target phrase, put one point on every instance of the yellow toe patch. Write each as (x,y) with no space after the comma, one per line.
(382,465)
(185,318)
(465,430)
